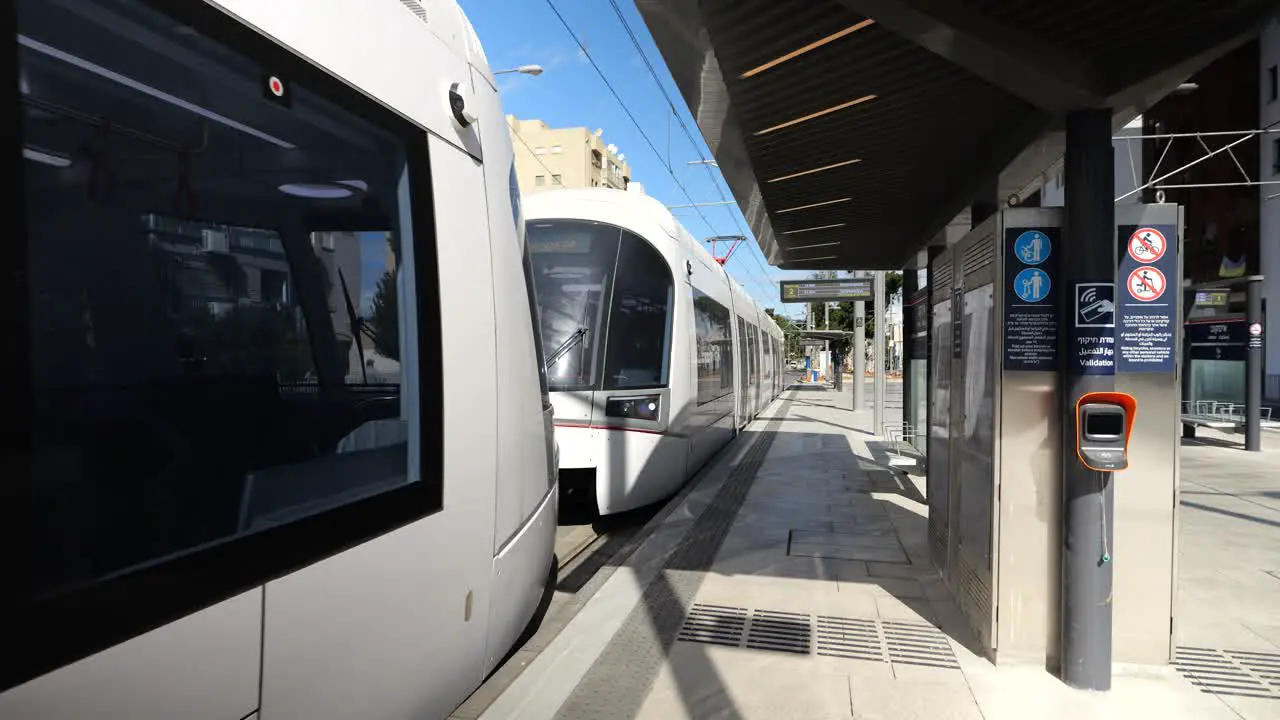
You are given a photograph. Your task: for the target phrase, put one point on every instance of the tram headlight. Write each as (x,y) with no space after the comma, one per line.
(647,407)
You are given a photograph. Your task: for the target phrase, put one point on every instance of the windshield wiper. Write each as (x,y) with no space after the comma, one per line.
(356,325)
(578,336)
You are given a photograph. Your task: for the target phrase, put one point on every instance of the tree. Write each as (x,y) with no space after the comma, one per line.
(788,327)
(384,321)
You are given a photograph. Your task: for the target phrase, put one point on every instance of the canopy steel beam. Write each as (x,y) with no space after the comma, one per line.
(1039,74)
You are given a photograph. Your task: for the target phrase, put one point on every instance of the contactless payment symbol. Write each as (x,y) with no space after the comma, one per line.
(1147,245)
(1146,284)
(1031,285)
(1095,305)
(1032,247)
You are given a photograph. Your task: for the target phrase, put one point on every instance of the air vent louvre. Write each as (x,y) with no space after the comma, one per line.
(416,8)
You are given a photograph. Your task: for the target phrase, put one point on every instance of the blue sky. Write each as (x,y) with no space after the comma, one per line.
(571,94)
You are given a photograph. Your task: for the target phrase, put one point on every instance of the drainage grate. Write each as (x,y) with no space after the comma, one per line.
(891,641)
(714,624)
(781,631)
(851,638)
(917,644)
(1242,673)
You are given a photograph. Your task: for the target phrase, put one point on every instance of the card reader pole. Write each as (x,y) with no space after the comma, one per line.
(1088,255)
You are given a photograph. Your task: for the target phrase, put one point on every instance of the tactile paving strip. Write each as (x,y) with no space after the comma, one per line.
(622,677)
(892,641)
(1240,673)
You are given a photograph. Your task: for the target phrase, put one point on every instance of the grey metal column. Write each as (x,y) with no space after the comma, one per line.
(1088,255)
(877,352)
(859,352)
(909,286)
(1253,365)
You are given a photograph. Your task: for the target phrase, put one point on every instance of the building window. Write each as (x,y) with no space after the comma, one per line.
(1275,156)
(540,180)
(213,402)
(555,179)
(556,149)
(540,151)
(1272,81)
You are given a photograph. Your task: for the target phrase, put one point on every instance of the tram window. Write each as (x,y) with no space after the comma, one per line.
(639,344)
(220,320)
(712,325)
(573,263)
(517,212)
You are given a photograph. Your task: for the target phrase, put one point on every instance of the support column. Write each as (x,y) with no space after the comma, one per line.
(859,352)
(909,286)
(985,204)
(877,353)
(1253,365)
(1088,256)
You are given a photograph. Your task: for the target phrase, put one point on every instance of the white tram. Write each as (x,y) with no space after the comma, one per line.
(655,356)
(244,473)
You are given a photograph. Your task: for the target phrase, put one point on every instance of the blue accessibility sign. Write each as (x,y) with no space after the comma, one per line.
(1032,247)
(1032,285)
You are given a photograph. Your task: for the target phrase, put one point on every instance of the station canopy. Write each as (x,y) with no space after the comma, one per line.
(853,132)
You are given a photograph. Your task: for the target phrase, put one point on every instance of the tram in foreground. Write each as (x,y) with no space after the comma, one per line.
(236,483)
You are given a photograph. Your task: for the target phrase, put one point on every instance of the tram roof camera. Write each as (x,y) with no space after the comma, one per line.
(1104,421)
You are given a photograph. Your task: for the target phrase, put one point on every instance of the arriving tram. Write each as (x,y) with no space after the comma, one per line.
(656,358)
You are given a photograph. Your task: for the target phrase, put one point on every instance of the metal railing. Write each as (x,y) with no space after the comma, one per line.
(899,434)
(1215,413)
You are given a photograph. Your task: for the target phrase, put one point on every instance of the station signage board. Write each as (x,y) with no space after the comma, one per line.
(1031,316)
(839,290)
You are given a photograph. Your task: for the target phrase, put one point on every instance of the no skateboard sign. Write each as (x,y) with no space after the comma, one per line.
(1146,284)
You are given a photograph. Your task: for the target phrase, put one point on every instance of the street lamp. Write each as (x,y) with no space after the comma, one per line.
(534,70)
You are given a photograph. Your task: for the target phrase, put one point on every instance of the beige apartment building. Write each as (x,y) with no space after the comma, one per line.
(548,158)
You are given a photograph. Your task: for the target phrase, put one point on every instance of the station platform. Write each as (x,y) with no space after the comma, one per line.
(792,579)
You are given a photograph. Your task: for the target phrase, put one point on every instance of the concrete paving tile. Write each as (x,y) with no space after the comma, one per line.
(893,587)
(705,682)
(909,609)
(1018,692)
(911,571)
(1253,708)
(883,552)
(809,596)
(911,698)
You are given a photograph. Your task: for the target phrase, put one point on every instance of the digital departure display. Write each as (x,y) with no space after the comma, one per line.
(844,289)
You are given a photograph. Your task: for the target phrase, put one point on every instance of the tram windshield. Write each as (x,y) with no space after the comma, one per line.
(599,331)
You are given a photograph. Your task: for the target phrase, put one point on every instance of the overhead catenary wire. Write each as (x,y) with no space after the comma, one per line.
(703,160)
(516,132)
(625,109)
(639,128)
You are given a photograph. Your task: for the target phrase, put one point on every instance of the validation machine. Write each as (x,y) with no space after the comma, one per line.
(1005,327)
(1103,424)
